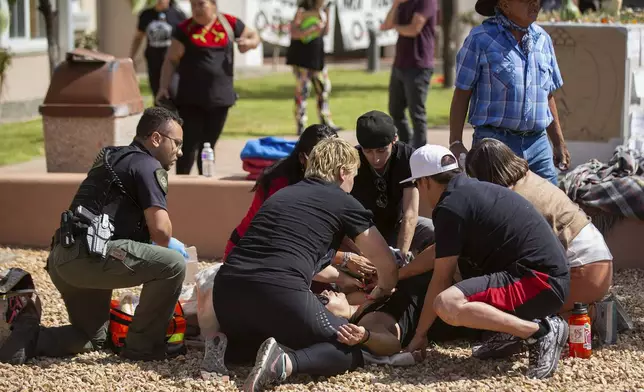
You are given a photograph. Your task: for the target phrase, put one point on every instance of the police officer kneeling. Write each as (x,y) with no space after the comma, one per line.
(125,189)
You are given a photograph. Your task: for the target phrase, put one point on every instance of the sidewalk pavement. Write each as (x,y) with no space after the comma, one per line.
(228,164)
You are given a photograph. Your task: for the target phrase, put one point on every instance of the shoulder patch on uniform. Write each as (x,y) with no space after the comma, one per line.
(162,178)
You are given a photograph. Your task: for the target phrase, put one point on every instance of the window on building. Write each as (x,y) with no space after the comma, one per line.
(26,21)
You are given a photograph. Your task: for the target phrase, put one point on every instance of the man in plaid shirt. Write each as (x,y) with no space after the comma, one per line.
(507,72)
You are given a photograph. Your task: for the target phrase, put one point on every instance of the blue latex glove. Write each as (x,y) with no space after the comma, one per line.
(177,245)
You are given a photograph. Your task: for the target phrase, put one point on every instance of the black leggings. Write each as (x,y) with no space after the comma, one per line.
(200,125)
(250,313)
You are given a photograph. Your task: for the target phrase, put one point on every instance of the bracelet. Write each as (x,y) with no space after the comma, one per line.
(455,142)
(345,259)
(368,337)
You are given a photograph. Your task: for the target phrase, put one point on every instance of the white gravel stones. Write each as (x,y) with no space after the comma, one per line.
(447,367)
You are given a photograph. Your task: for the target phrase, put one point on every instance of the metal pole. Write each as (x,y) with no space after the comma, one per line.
(373,53)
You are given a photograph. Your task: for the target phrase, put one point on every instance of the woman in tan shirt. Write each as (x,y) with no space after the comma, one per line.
(590,260)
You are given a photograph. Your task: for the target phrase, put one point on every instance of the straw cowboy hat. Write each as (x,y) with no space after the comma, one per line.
(485,7)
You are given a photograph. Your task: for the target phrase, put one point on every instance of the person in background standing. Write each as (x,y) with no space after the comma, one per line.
(415,21)
(156,25)
(306,56)
(507,72)
(202,52)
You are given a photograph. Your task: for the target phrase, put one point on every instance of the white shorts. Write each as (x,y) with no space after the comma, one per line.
(587,247)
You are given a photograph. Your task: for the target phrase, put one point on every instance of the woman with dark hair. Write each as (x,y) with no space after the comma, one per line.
(306,56)
(589,259)
(202,54)
(155,25)
(285,172)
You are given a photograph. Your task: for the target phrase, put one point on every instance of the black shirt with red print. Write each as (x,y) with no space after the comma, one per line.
(206,68)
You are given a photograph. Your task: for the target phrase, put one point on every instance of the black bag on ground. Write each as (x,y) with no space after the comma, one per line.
(20,312)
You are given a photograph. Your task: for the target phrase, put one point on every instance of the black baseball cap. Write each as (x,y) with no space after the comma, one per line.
(375,129)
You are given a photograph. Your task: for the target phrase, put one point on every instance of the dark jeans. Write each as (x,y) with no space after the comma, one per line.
(408,88)
(200,125)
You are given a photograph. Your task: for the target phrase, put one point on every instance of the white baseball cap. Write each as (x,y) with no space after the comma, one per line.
(429,160)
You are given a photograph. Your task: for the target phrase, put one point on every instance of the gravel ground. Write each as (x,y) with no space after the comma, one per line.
(447,368)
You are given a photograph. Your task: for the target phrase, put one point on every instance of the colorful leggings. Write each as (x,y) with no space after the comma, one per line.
(322,86)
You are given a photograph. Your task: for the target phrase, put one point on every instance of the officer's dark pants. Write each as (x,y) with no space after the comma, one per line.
(85,284)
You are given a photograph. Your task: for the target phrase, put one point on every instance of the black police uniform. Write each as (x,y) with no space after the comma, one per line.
(122,183)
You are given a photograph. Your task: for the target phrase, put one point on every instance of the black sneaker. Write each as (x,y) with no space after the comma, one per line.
(213,359)
(499,345)
(270,367)
(544,352)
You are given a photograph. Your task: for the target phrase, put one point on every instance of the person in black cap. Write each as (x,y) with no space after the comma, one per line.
(384,162)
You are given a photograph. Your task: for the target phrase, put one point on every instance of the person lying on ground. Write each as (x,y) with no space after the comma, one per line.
(387,325)
(514,269)
(381,327)
(269,273)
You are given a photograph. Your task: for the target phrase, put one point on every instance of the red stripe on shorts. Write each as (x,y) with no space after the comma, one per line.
(515,294)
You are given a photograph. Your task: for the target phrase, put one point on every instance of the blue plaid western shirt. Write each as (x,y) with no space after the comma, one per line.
(509,89)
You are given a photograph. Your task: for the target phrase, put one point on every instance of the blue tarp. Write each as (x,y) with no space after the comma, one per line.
(268,148)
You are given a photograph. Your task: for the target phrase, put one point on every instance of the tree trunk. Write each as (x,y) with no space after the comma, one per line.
(449,57)
(51,19)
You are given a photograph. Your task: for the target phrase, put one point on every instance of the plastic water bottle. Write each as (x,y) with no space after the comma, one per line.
(208,160)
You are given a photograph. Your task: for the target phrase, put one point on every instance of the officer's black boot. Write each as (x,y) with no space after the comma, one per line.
(20,346)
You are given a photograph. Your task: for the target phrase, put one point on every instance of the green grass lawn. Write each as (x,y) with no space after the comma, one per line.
(265,107)
(21,141)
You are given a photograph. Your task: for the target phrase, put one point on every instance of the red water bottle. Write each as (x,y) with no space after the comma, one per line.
(579,337)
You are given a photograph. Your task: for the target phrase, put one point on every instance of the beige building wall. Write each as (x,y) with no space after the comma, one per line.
(86,14)
(27,78)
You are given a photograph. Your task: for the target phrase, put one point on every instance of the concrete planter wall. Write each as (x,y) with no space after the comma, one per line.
(600,104)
